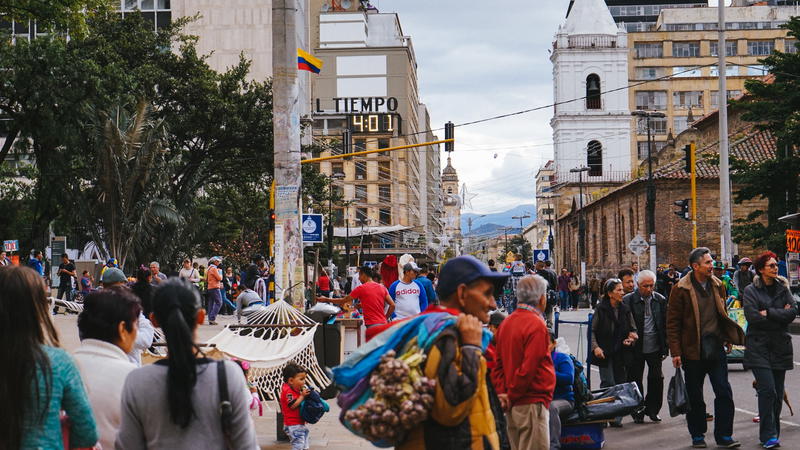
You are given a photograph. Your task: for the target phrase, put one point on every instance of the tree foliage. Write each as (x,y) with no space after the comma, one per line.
(215,133)
(774,104)
(62,14)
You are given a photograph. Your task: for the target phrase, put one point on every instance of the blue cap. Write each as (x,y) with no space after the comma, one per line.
(464,270)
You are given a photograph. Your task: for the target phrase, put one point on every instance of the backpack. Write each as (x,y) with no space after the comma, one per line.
(313,407)
(580,385)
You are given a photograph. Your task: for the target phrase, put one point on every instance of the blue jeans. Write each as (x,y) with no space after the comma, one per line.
(564,299)
(214,299)
(717,372)
(298,436)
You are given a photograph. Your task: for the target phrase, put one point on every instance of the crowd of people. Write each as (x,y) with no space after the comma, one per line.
(508,388)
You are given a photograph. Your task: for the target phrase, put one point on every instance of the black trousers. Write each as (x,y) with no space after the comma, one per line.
(655,380)
(769,386)
(717,373)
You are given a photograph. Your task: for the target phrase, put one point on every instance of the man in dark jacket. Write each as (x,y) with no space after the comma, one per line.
(699,332)
(649,310)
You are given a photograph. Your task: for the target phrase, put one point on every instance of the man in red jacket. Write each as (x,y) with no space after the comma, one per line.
(524,376)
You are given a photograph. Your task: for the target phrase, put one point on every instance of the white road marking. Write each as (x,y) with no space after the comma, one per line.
(785,422)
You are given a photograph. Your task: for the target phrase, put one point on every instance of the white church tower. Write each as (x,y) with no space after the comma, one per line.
(590,59)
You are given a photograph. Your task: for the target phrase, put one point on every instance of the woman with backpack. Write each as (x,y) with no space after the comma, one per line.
(177,403)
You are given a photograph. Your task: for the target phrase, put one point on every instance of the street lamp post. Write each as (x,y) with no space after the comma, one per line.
(332,177)
(526,216)
(651,187)
(550,213)
(581,223)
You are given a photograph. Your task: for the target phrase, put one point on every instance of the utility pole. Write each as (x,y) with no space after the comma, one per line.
(724,170)
(581,223)
(651,187)
(526,216)
(286,123)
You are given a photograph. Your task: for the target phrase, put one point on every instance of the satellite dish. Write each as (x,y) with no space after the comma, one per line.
(325,7)
(346,4)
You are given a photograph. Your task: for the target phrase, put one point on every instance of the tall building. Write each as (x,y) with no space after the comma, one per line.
(369,86)
(538,232)
(641,15)
(673,69)
(590,57)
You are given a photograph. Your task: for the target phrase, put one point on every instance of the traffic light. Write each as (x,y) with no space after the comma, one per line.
(347,142)
(271,218)
(683,213)
(449,132)
(687,158)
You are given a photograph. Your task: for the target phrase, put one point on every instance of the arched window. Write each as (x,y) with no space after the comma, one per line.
(594,158)
(450,190)
(593,92)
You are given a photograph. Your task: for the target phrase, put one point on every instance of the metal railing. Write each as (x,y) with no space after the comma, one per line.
(607,175)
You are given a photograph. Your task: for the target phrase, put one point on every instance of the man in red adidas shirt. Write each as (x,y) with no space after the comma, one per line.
(524,376)
(376,303)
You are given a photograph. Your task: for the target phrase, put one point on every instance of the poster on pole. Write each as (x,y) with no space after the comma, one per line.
(11,246)
(286,199)
(793,241)
(279,259)
(312,227)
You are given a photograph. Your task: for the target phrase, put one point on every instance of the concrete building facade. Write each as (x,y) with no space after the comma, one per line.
(683,51)
(369,86)
(452,208)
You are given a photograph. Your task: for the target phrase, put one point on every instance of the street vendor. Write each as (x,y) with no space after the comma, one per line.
(461,417)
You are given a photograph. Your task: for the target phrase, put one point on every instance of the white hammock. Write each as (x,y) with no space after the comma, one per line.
(281,334)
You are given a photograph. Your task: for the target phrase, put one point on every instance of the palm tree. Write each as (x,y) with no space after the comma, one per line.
(127,200)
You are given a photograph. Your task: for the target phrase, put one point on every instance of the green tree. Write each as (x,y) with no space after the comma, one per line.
(130,166)
(774,104)
(517,244)
(64,14)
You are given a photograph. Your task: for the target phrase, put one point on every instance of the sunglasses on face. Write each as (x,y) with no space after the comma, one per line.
(772,266)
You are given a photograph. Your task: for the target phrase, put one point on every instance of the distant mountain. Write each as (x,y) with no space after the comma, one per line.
(498,220)
(492,229)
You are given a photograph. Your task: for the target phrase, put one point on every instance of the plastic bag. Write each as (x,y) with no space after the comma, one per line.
(622,399)
(324,308)
(677,397)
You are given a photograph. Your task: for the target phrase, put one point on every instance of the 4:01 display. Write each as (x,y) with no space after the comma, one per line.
(373,123)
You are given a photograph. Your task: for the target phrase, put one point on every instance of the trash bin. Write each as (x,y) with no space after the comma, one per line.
(327,340)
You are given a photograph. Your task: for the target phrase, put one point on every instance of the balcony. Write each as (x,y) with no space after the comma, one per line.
(606,176)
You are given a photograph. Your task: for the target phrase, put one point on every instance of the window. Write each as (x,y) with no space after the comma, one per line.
(730,48)
(338,217)
(680,124)
(757,70)
(593,92)
(760,48)
(361,170)
(642,148)
(594,158)
(385,216)
(687,99)
(361,193)
(790,45)
(658,125)
(359,145)
(385,193)
(685,49)
(156,11)
(384,170)
(715,97)
(651,100)
(449,190)
(383,143)
(361,216)
(337,167)
(649,50)
(730,71)
(648,73)
(686,72)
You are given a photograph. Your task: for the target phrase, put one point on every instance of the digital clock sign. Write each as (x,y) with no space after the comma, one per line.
(373,123)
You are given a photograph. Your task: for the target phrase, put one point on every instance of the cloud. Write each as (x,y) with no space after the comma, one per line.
(480,59)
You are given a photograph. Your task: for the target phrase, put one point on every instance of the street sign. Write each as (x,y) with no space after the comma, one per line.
(541,255)
(11,246)
(793,241)
(638,245)
(312,228)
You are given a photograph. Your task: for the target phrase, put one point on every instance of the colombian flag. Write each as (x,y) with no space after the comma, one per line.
(307,61)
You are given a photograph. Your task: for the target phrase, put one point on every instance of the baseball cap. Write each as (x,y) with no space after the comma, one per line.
(113,275)
(411,266)
(745,260)
(465,269)
(719,265)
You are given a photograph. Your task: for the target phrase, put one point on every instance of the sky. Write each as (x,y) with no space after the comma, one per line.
(478,59)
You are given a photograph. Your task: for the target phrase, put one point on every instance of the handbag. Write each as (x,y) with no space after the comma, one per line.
(677,396)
